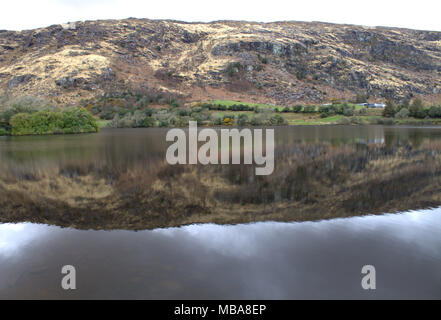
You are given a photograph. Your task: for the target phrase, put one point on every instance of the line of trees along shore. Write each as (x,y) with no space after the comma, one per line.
(34,116)
(31,115)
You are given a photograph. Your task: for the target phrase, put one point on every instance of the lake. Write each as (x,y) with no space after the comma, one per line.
(340,197)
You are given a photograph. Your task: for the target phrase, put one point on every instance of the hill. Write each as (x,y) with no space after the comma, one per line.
(280,63)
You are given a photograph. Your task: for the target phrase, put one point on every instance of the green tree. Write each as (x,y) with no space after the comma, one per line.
(297,108)
(361,98)
(390,109)
(417,108)
(435,112)
(277,120)
(71,120)
(402,114)
(242,120)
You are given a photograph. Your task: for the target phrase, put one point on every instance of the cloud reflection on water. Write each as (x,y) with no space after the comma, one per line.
(261,260)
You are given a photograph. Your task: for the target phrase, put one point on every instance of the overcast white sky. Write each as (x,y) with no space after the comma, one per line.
(29,14)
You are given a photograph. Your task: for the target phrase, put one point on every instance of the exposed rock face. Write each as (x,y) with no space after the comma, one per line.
(20,80)
(281,63)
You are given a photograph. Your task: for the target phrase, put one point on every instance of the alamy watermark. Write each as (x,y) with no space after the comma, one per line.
(69,281)
(208,153)
(369,281)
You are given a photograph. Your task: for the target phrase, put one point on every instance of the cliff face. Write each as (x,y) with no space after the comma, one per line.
(282,63)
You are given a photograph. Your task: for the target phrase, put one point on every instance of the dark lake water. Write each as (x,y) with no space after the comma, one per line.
(129,146)
(266,260)
(255,247)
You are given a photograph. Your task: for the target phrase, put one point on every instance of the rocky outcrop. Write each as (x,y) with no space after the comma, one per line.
(18,80)
(285,62)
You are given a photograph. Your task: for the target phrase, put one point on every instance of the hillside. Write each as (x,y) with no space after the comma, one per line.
(281,62)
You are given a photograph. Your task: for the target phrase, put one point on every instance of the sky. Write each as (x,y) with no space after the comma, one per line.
(30,14)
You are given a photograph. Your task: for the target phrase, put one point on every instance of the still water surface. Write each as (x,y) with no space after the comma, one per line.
(268,260)
(129,146)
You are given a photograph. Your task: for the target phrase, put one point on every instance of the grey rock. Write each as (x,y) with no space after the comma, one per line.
(19,80)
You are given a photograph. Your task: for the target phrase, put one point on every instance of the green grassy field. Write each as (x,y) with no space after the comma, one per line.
(229,103)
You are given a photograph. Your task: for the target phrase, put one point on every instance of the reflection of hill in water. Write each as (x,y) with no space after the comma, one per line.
(310,182)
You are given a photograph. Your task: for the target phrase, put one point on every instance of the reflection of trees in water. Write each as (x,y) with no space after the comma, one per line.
(413,136)
(416,139)
(309,182)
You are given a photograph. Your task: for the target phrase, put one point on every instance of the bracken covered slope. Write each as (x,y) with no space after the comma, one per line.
(280,62)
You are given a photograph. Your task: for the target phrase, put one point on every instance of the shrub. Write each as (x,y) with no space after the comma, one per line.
(174,104)
(337,108)
(107,115)
(71,120)
(355,120)
(183,112)
(402,114)
(361,112)
(348,111)
(148,122)
(416,109)
(435,112)
(123,111)
(26,104)
(277,120)
(148,112)
(242,120)
(163,123)
(309,109)
(264,60)
(227,121)
(216,119)
(297,108)
(78,121)
(344,121)
(126,122)
(21,124)
(390,109)
(115,121)
(233,68)
(256,121)
(240,107)
(95,109)
(301,74)
(219,107)
(138,118)
(4,132)
(326,111)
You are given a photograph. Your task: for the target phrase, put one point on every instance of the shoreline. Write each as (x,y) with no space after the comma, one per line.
(403,125)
